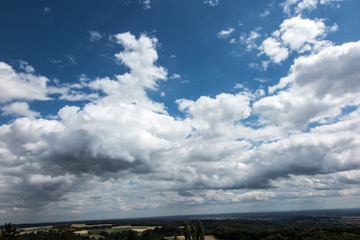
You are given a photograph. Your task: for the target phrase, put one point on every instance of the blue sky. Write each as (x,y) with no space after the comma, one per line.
(154,107)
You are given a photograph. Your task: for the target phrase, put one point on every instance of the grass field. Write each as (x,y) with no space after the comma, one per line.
(34,229)
(96,231)
(85,225)
(82,232)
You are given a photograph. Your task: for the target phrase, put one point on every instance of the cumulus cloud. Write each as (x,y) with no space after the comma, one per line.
(15,85)
(299,6)
(318,87)
(123,147)
(139,56)
(20,109)
(232,108)
(27,86)
(110,138)
(272,48)
(296,35)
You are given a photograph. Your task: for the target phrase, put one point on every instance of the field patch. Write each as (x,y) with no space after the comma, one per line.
(89,226)
(34,229)
(207,237)
(81,232)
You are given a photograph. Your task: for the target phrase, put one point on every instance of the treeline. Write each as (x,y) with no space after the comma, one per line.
(318,233)
(221,229)
(67,232)
(158,233)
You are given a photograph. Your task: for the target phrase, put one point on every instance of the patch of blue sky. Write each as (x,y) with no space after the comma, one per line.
(252,121)
(330,120)
(135,185)
(193,131)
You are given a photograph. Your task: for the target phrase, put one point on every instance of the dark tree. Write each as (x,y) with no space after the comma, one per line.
(187,230)
(147,235)
(10,232)
(194,231)
(132,235)
(57,232)
(200,232)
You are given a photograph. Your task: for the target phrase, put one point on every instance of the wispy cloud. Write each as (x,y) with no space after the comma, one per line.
(26,67)
(225,33)
(95,36)
(146,4)
(250,39)
(212,3)
(175,76)
(48,10)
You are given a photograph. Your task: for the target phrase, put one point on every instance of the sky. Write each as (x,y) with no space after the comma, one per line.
(137,108)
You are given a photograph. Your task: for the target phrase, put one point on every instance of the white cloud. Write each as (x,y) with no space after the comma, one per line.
(26,67)
(265,13)
(24,86)
(146,4)
(250,39)
(73,92)
(175,76)
(306,4)
(95,36)
(261,80)
(139,56)
(71,95)
(208,112)
(239,85)
(212,3)
(317,87)
(296,35)
(19,108)
(231,148)
(48,10)
(287,4)
(225,33)
(299,6)
(272,48)
(72,60)
(114,136)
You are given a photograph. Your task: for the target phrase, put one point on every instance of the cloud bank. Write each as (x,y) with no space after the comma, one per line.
(124,149)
